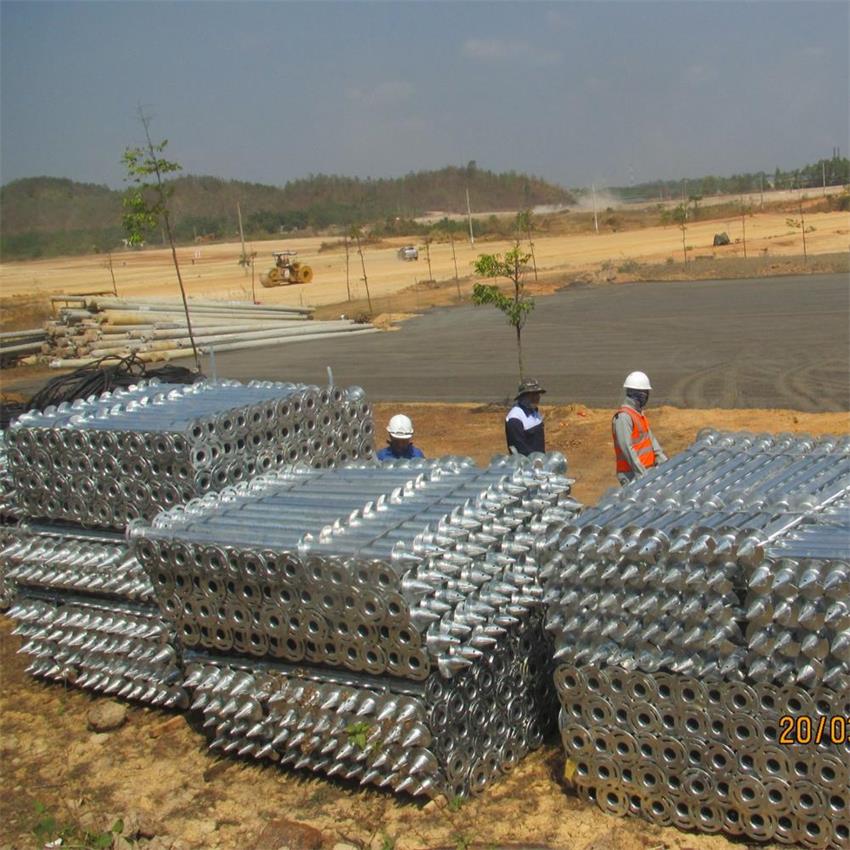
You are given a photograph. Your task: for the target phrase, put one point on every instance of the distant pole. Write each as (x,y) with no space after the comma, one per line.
(454,259)
(347,277)
(469,218)
(428,256)
(823,174)
(595,219)
(241,235)
(363,263)
(744,226)
(111,272)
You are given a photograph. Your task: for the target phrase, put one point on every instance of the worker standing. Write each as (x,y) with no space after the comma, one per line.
(635,447)
(524,422)
(400,443)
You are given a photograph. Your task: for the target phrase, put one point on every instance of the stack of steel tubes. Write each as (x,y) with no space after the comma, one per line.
(692,629)
(379,623)
(131,453)
(85,607)
(9,515)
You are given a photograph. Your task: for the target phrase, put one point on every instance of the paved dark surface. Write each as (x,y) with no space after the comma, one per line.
(771,342)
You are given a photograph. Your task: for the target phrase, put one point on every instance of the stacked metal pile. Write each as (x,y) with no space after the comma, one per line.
(87,328)
(131,453)
(378,623)
(85,610)
(85,607)
(9,514)
(678,631)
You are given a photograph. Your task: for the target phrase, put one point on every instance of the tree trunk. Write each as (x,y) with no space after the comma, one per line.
(365,279)
(519,352)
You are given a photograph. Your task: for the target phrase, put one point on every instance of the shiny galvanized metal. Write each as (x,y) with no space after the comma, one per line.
(701,619)
(106,460)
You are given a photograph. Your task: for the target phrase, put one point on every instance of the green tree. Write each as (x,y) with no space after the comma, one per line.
(680,217)
(146,203)
(357,235)
(517,308)
(525,224)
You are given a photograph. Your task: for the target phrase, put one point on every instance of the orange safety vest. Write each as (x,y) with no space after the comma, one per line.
(641,442)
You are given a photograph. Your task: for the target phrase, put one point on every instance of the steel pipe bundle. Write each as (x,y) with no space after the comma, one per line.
(711,756)
(86,612)
(61,560)
(798,604)
(131,453)
(676,612)
(9,514)
(112,647)
(157,330)
(416,578)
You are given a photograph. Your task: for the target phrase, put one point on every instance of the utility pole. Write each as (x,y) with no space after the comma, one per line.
(744,226)
(241,236)
(454,259)
(469,218)
(823,174)
(347,278)
(595,219)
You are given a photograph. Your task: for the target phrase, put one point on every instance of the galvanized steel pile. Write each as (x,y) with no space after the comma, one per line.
(85,607)
(382,624)
(701,619)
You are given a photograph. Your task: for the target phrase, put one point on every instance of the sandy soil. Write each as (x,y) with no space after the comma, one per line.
(213,270)
(156,773)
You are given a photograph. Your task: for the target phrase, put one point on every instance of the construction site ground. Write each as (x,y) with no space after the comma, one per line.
(771,245)
(156,774)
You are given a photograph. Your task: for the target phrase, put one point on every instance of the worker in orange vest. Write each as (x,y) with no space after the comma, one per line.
(635,446)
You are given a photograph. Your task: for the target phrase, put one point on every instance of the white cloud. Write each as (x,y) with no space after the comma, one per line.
(387,93)
(813,52)
(500,50)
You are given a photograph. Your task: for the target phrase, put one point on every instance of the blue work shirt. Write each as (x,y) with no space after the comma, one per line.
(411,452)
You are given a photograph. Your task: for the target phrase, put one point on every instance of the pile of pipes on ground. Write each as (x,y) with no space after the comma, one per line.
(377,623)
(15,345)
(90,328)
(9,514)
(132,452)
(84,606)
(701,619)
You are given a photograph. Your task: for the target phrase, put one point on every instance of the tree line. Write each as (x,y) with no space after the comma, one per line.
(45,216)
(834,171)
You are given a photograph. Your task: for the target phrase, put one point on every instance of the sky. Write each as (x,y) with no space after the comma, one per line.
(611,93)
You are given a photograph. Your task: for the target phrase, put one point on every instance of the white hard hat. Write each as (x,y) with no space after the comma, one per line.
(400,427)
(637,381)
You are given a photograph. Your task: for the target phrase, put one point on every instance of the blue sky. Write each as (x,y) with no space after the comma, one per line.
(576,92)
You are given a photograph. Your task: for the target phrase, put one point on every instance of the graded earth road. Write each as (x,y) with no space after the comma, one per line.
(769,343)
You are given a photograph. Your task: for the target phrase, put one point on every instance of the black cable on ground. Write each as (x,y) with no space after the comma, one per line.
(96,378)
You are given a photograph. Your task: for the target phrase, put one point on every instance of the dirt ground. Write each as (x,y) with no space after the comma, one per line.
(212,271)
(157,775)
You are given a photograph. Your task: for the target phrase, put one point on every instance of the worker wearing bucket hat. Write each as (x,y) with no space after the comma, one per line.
(524,422)
(400,443)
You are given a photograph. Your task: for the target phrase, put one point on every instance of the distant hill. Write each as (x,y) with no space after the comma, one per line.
(44,216)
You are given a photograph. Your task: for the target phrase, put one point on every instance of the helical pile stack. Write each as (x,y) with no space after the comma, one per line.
(84,606)
(133,452)
(700,619)
(376,623)
(9,514)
